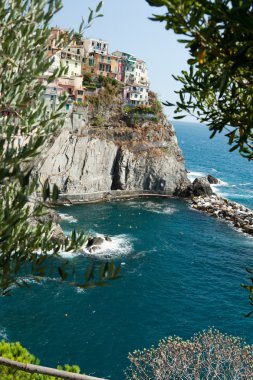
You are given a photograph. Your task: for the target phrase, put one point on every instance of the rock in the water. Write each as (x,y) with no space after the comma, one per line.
(97,240)
(94,243)
(57,234)
(201,186)
(212,180)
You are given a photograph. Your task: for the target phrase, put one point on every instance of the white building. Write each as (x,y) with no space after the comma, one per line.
(140,73)
(136,95)
(52,95)
(78,50)
(93,45)
(72,61)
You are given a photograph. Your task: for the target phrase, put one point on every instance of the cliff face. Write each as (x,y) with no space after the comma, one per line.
(100,149)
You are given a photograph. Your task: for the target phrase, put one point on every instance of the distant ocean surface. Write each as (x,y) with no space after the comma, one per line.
(181,273)
(211,156)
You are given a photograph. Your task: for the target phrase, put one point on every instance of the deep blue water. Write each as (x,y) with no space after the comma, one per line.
(181,273)
(211,156)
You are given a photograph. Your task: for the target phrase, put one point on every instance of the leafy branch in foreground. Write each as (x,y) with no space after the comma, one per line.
(218,86)
(25,125)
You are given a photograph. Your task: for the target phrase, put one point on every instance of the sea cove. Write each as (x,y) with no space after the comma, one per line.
(181,273)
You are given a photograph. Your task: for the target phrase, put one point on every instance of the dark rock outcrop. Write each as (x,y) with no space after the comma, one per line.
(201,186)
(97,240)
(212,180)
(94,243)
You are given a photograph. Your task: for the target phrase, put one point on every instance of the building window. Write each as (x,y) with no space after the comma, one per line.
(79,92)
(75,64)
(78,51)
(102,58)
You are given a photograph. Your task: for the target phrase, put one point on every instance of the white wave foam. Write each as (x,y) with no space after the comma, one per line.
(217,191)
(69,255)
(118,246)
(222,183)
(68,218)
(239,196)
(153,207)
(216,187)
(193,175)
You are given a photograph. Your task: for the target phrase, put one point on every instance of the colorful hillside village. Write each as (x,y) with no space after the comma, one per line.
(88,59)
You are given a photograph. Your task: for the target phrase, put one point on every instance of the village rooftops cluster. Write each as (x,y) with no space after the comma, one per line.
(90,57)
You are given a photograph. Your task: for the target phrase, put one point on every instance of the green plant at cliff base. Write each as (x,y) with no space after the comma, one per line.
(208,355)
(16,352)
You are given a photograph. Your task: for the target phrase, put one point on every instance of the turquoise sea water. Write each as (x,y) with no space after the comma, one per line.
(181,273)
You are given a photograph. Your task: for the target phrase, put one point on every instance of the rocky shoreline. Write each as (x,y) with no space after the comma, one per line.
(238,215)
(202,199)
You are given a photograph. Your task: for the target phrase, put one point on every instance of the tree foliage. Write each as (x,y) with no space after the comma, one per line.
(15,351)
(25,125)
(208,355)
(218,85)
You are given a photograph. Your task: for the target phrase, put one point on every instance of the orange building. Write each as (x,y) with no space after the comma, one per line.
(98,64)
(55,35)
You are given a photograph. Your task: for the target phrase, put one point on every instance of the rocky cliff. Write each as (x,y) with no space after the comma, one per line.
(103,148)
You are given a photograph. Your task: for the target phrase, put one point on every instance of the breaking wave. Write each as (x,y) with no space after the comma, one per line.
(68,218)
(119,245)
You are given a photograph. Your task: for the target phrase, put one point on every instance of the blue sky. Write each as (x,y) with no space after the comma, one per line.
(126,27)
